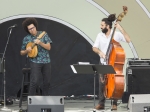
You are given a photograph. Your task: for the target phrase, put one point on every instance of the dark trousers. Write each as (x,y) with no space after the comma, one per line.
(101,90)
(38,69)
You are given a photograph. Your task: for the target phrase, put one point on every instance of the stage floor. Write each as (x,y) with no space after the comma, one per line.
(74,106)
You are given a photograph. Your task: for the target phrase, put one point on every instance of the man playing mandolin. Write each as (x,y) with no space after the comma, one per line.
(100,47)
(40,44)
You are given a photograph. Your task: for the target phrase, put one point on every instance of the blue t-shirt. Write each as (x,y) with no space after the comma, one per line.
(43,54)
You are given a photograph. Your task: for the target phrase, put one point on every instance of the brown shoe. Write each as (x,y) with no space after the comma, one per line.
(99,107)
(114,107)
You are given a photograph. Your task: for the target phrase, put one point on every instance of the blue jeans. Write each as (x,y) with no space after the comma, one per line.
(38,69)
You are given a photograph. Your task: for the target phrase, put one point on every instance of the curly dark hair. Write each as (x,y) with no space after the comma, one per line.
(29,21)
(109,20)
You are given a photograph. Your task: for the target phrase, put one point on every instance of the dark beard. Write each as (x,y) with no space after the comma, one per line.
(105,30)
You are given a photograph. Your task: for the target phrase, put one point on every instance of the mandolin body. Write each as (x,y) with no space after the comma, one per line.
(34,50)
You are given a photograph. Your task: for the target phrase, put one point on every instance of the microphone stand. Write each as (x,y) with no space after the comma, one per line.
(3,61)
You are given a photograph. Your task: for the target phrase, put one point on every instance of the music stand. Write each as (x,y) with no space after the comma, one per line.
(93,69)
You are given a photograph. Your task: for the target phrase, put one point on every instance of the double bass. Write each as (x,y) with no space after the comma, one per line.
(115,56)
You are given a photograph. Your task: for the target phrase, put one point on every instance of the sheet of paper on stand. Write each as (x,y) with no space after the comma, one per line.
(83,63)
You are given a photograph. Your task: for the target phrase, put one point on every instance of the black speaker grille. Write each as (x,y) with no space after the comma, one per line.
(138,80)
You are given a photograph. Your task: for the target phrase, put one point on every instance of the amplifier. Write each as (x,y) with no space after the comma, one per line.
(137,82)
(139,62)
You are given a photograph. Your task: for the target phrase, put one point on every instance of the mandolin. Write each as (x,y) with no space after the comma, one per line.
(33,53)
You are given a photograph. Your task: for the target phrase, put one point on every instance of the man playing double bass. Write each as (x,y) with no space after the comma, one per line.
(100,47)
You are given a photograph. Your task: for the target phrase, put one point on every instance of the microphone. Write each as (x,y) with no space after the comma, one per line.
(15,25)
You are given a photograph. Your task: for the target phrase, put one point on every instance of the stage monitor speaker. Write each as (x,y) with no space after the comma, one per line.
(137,102)
(45,104)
